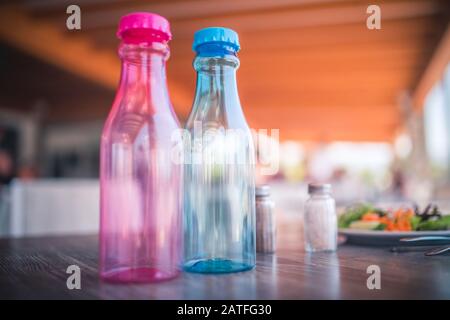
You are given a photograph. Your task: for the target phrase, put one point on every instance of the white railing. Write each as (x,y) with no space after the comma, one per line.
(53,206)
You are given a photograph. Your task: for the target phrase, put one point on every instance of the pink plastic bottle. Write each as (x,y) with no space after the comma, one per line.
(140,206)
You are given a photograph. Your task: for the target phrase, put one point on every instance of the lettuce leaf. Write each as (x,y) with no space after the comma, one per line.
(353,214)
(442,223)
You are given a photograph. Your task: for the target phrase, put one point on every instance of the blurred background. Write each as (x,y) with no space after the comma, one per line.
(366,110)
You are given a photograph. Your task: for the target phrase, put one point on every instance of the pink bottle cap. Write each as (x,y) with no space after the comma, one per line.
(141,27)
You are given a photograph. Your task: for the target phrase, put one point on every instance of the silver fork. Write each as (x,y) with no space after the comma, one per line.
(437,251)
(426,238)
(434,251)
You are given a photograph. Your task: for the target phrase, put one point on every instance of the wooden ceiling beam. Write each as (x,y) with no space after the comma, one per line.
(379,134)
(285,113)
(101,13)
(349,34)
(381,60)
(254,20)
(334,79)
(48,6)
(327,123)
(434,69)
(45,41)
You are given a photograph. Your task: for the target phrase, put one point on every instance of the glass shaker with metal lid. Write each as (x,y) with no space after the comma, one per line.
(265,221)
(320,220)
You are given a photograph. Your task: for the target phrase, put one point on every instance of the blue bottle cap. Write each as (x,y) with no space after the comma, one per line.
(216,35)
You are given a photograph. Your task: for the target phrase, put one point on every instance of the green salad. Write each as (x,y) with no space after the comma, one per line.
(369,217)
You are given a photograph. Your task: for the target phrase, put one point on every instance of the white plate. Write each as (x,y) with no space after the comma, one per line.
(386,238)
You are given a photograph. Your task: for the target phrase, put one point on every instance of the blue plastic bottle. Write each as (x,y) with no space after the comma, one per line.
(219,207)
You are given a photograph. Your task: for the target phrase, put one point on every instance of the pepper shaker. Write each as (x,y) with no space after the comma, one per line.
(265,221)
(320,220)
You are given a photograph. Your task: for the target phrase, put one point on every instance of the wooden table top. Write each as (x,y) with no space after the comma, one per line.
(36,268)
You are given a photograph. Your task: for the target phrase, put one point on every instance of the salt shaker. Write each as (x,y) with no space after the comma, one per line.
(265,221)
(320,220)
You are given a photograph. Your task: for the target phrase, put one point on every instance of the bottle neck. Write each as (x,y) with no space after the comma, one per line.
(143,85)
(216,82)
